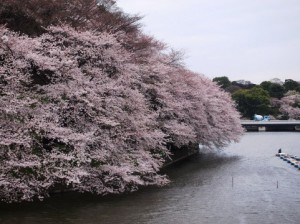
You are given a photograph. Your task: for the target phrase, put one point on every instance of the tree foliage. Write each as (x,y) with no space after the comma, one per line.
(93,107)
(274,89)
(80,14)
(222,81)
(252,101)
(266,85)
(290,84)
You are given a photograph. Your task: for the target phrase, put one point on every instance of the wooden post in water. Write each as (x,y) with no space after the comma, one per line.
(232,182)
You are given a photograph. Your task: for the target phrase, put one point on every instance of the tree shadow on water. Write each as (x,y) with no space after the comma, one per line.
(194,171)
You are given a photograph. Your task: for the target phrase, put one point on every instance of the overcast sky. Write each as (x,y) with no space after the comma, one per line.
(255,40)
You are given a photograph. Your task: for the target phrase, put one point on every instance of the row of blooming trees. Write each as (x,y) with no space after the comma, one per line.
(90,103)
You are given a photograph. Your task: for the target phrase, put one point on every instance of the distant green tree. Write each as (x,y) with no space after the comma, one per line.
(290,84)
(252,101)
(222,81)
(266,85)
(274,89)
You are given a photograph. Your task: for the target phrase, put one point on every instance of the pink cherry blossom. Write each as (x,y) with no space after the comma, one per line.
(85,111)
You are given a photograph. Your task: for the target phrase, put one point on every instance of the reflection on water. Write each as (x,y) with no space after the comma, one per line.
(245,183)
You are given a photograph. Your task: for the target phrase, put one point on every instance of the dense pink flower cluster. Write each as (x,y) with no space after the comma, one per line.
(81,110)
(290,106)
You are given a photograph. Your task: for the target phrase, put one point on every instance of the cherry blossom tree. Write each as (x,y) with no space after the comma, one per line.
(95,109)
(190,107)
(70,113)
(290,106)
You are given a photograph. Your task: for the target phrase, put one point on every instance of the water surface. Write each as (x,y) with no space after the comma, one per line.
(245,183)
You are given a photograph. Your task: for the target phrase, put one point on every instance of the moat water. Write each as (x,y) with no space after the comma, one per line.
(244,183)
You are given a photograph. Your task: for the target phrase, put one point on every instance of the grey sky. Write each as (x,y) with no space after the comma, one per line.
(255,40)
